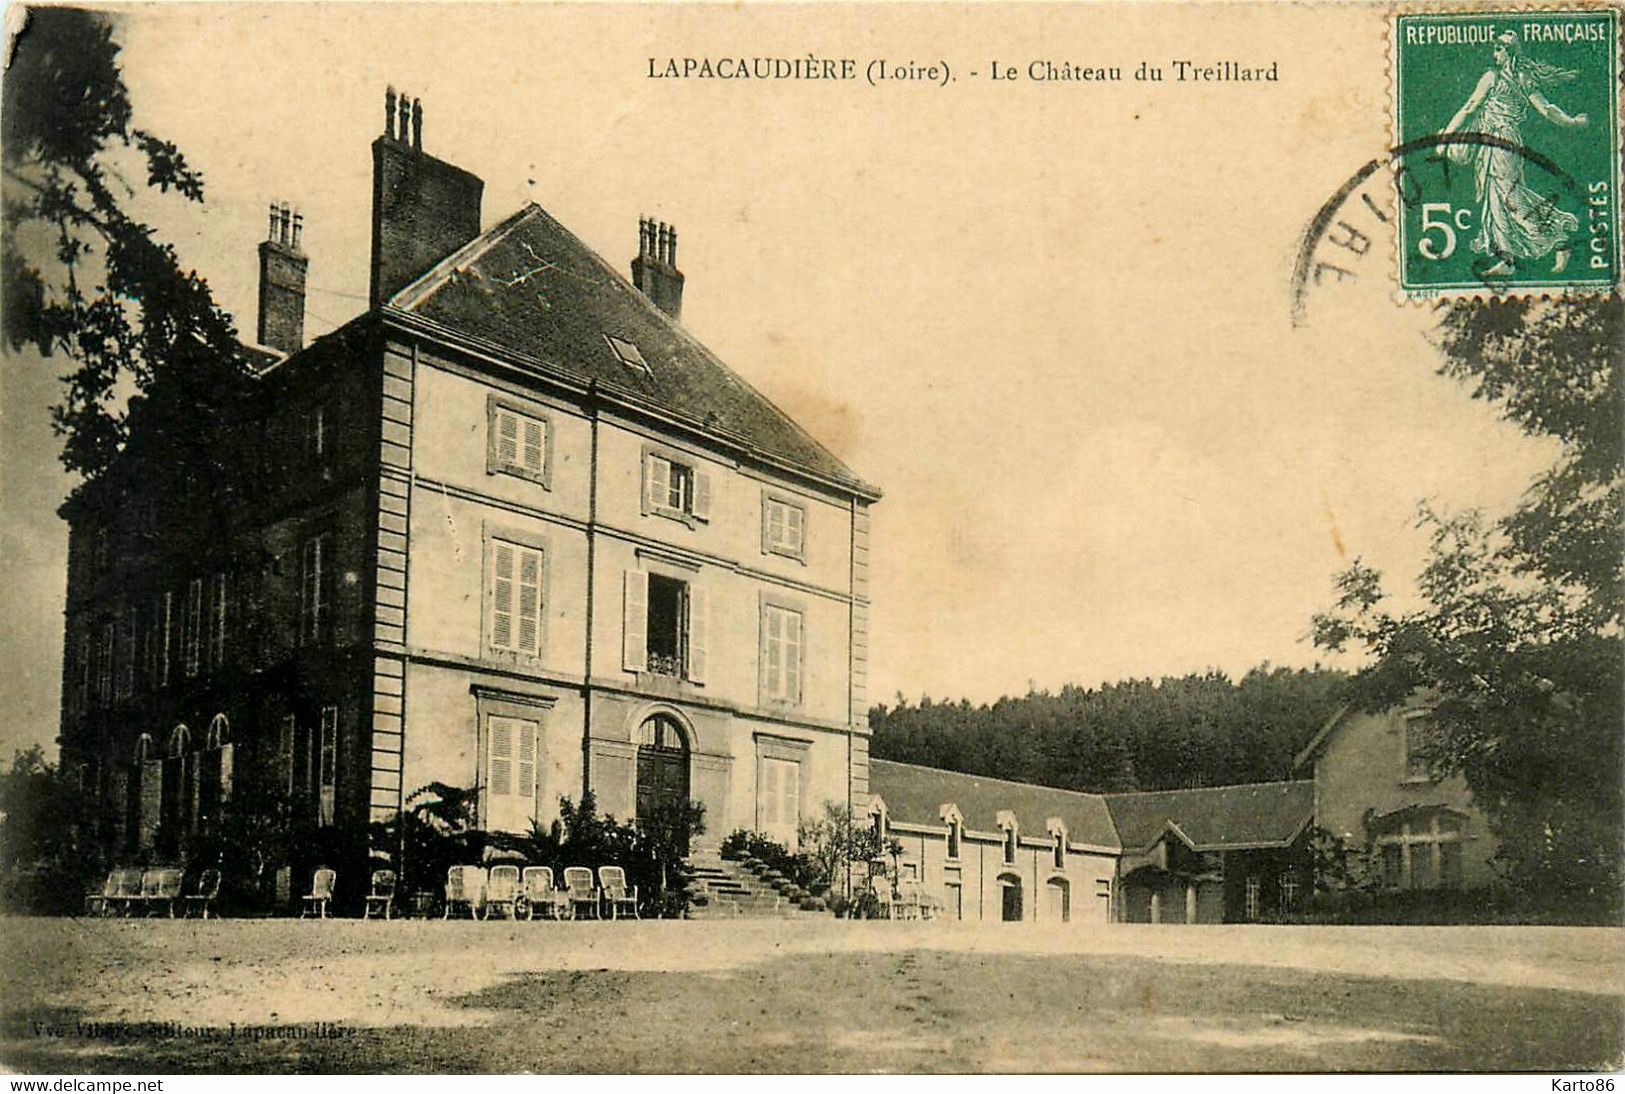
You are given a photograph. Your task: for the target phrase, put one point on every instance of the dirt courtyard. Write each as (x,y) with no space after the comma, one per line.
(81,996)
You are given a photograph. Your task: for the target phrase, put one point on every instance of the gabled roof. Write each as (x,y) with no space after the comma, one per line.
(530,287)
(1216,818)
(916,795)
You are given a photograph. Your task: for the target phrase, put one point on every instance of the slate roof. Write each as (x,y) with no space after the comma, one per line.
(1216,818)
(529,286)
(916,795)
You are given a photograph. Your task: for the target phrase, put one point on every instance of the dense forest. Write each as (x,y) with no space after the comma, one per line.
(1196,730)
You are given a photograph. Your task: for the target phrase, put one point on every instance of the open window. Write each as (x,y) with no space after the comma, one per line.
(675,486)
(665,626)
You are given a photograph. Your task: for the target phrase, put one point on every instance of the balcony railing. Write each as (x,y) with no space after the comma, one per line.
(663,664)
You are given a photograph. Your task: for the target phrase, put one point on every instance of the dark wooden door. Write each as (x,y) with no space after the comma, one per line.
(1012,903)
(662,777)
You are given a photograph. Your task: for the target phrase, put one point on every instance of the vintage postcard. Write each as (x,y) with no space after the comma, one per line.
(807,538)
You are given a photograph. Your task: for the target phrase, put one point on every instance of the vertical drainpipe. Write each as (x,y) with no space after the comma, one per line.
(406,585)
(592,531)
(851,618)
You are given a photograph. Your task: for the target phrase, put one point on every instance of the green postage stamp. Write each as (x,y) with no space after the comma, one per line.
(1507,165)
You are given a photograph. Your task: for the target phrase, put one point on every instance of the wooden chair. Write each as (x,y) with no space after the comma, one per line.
(579,889)
(100,901)
(539,896)
(465,886)
(381,898)
(502,891)
(320,895)
(204,894)
(612,880)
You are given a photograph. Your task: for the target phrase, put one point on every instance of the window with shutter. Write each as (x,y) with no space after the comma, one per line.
(779,800)
(284,751)
(166,638)
(313,588)
(217,622)
(192,625)
(783,527)
(327,765)
(518,441)
(510,773)
(675,488)
(127,654)
(514,593)
(781,654)
(104,665)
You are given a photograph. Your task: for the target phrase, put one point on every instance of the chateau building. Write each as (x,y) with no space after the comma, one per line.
(518,531)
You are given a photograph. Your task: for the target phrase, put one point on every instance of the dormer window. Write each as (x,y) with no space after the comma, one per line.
(956,831)
(627,354)
(1012,835)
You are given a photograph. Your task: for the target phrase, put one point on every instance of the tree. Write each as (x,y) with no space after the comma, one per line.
(80,274)
(40,865)
(1517,633)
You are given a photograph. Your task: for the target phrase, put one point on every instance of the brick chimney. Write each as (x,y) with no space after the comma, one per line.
(655,271)
(423,208)
(282,283)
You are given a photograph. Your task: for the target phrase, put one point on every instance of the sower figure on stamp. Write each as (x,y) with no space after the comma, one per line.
(1514,221)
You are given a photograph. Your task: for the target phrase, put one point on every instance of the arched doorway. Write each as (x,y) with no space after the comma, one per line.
(1058,900)
(662,764)
(1010,909)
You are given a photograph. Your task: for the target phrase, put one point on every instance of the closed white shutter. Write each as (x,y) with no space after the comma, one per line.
(502,596)
(790,801)
(775,523)
(699,626)
(769,804)
(225,771)
(530,602)
(534,448)
(507,438)
(499,781)
(701,508)
(657,483)
(772,652)
(792,656)
(525,774)
(635,623)
(794,529)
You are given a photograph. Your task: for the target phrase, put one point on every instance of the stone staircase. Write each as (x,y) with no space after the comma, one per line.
(731,891)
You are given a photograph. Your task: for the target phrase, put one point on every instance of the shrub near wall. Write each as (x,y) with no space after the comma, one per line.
(1438,907)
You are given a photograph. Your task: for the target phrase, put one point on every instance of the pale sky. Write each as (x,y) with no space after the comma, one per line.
(1051,321)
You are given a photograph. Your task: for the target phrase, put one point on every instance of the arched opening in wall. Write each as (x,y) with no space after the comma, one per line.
(214,784)
(1058,900)
(663,751)
(178,780)
(1010,904)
